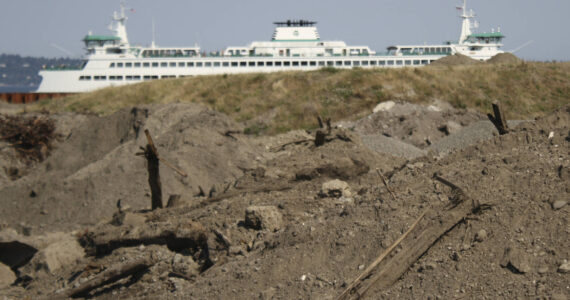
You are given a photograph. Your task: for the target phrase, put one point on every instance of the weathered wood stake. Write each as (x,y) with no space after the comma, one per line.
(499,119)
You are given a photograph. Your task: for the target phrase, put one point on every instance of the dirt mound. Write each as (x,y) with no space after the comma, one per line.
(486,220)
(455,60)
(504,58)
(81,182)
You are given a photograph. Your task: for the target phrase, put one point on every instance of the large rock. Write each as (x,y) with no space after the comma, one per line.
(384,106)
(516,260)
(7,277)
(263,217)
(54,257)
(185,266)
(336,188)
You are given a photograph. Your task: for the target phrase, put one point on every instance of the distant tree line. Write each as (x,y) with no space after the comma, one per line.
(18,71)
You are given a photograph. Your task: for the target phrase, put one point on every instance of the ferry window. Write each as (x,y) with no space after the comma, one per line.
(119,77)
(372,62)
(347,62)
(251,64)
(295,64)
(390,62)
(234,64)
(416,62)
(198,64)
(242,63)
(112,65)
(154,77)
(146,77)
(304,63)
(286,63)
(154,64)
(216,64)
(381,62)
(269,63)
(137,65)
(129,65)
(278,64)
(321,63)
(399,62)
(438,50)
(408,62)
(129,77)
(164,64)
(208,64)
(260,64)
(365,63)
(225,64)
(424,62)
(111,77)
(146,65)
(330,63)
(313,63)
(338,63)
(173,64)
(356,63)
(181,64)
(190,64)
(119,65)
(137,77)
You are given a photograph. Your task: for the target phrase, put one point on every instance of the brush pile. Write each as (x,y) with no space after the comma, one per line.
(31,136)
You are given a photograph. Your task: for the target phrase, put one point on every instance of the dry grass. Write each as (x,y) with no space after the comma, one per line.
(277,102)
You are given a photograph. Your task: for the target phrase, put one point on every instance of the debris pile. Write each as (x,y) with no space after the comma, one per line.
(286,217)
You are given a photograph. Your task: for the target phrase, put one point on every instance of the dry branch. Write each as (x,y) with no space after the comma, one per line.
(386,184)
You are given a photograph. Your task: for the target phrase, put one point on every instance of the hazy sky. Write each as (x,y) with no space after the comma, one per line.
(40,27)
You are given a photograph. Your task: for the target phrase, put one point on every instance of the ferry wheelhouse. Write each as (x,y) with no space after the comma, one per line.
(480,46)
(295,45)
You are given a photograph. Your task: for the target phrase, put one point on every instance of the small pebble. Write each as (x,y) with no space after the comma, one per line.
(558,204)
(564,267)
(481,235)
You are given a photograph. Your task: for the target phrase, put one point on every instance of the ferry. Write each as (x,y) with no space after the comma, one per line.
(111,60)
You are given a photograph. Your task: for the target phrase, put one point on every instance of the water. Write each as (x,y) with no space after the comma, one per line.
(17,89)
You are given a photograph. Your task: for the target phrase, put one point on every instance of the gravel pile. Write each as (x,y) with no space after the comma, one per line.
(470,135)
(387,145)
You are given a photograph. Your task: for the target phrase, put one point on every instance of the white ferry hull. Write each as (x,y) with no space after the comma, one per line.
(75,81)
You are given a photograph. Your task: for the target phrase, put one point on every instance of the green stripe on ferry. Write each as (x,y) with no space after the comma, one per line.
(296,40)
(488,35)
(89,38)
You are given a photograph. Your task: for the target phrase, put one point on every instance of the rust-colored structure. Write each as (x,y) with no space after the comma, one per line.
(21,98)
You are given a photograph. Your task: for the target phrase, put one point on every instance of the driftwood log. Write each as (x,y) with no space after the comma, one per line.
(421,236)
(110,275)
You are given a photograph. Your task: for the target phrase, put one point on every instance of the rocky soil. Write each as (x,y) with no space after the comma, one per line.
(279,218)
